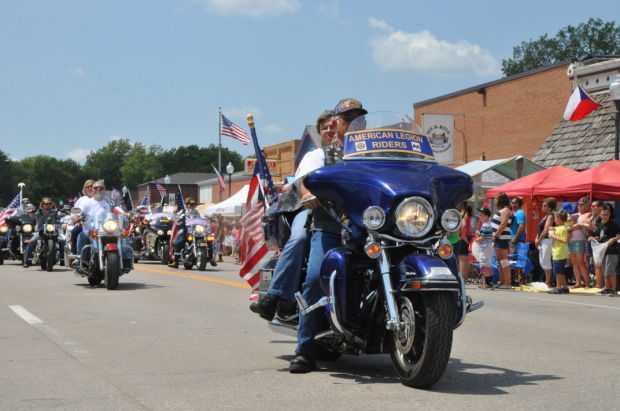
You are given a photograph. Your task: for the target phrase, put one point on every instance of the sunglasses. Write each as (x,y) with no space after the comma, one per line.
(98,188)
(47,203)
(89,186)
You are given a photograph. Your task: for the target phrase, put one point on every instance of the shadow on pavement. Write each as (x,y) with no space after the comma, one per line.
(121,286)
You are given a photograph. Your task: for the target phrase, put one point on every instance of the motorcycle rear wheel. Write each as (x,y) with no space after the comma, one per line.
(421,349)
(50,255)
(112,270)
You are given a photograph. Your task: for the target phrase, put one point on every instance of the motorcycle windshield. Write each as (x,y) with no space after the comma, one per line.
(388,136)
(384,174)
(197,221)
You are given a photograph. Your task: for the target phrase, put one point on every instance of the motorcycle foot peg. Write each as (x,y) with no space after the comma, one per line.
(301,301)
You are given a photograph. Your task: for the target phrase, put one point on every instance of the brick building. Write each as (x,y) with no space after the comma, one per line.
(506,117)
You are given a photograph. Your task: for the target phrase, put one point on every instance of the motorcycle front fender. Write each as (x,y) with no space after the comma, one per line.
(421,272)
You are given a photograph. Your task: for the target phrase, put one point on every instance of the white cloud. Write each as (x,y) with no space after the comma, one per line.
(397,50)
(253,8)
(78,72)
(79,154)
(273,129)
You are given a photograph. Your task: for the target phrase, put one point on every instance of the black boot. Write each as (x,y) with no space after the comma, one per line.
(266,306)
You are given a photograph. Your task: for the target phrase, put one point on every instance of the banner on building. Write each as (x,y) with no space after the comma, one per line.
(250,164)
(439,129)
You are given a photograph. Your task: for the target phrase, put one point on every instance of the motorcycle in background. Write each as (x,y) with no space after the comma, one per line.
(102,259)
(198,247)
(23,226)
(47,251)
(158,231)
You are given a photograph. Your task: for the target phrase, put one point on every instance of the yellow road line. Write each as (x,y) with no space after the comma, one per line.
(193,276)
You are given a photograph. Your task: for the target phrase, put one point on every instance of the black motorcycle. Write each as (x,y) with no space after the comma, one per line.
(198,247)
(47,251)
(157,232)
(23,227)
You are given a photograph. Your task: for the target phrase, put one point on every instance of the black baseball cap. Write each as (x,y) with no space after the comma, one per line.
(485,211)
(348,104)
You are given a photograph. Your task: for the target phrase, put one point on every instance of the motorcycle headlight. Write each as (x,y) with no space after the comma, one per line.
(27,228)
(414,217)
(160,232)
(200,229)
(110,226)
(451,220)
(169,232)
(373,218)
(3,229)
(50,228)
(137,230)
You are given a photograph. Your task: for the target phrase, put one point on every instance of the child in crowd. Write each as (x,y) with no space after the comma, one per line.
(608,232)
(484,247)
(559,252)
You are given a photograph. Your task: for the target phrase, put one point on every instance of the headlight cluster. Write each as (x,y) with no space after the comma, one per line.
(50,228)
(27,228)
(160,232)
(200,229)
(451,220)
(414,217)
(110,226)
(137,230)
(4,229)
(169,232)
(373,218)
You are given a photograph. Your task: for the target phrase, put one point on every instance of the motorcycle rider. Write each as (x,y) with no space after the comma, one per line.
(91,208)
(46,210)
(88,192)
(325,236)
(179,240)
(11,231)
(286,275)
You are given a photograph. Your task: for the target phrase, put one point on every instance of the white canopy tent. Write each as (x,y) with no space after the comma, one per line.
(231,206)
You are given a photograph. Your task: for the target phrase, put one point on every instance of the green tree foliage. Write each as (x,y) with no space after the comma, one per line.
(8,187)
(194,159)
(47,176)
(106,162)
(595,37)
(141,164)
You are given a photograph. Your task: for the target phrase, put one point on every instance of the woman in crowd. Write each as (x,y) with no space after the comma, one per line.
(608,232)
(543,242)
(595,210)
(501,238)
(465,235)
(577,243)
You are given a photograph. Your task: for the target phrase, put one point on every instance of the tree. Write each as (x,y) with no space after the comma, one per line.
(8,186)
(47,176)
(595,37)
(194,159)
(106,162)
(141,164)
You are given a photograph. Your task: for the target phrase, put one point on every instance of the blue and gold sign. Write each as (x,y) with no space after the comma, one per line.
(383,140)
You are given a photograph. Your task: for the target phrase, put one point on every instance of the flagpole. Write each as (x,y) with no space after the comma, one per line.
(261,181)
(219,150)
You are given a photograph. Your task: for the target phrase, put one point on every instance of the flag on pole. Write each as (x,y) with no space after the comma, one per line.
(230,129)
(220,179)
(127,199)
(11,208)
(580,104)
(253,253)
(143,207)
(179,200)
(161,189)
(263,170)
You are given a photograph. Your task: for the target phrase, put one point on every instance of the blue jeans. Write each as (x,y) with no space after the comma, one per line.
(33,243)
(286,275)
(311,324)
(83,240)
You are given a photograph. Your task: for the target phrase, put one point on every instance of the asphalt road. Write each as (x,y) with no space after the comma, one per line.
(175,339)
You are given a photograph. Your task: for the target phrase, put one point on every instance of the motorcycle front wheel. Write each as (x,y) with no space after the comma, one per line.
(202,260)
(421,348)
(112,270)
(163,253)
(51,248)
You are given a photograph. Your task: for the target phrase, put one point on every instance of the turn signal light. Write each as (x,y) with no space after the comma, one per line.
(372,250)
(445,251)
(210,238)
(93,233)
(190,238)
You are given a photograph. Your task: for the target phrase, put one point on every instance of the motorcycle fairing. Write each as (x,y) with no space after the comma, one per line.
(420,272)
(357,185)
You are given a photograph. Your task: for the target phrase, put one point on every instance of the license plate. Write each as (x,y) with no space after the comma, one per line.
(203,244)
(165,221)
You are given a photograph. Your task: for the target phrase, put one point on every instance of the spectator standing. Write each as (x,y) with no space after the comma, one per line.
(462,246)
(484,247)
(543,242)
(501,238)
(559,251)
(517,230)
(577,244)
(595,210)
(608,233)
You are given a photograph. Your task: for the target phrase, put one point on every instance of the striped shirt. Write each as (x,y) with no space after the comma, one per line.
(495,223)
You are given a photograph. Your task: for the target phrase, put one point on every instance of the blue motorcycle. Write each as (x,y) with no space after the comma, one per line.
(393,286)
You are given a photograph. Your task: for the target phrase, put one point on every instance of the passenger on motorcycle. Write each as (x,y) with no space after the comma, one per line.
(287,273)
(46,210)
(179,240)
(325,236)
(88,192)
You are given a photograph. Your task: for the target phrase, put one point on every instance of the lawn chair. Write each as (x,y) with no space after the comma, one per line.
(520,260)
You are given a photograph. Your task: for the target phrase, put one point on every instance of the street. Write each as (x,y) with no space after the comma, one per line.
(178,339)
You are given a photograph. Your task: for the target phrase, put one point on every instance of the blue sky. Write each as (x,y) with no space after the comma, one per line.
(75,74)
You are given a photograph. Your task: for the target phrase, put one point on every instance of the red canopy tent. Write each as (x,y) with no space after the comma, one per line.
(525,186)
(601,182)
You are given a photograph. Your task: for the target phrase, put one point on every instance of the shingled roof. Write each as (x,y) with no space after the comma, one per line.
(582,144)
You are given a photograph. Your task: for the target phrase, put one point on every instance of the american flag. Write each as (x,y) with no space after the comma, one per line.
(161,189)
(143,207)
(253,252)
(11,208)
(230,129)
(220,179)
(263,170)
(179,200)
